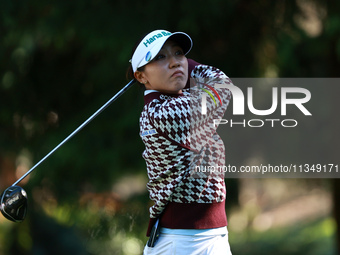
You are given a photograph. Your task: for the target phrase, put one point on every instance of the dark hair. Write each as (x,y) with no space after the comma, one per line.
(129,72)
(130,75)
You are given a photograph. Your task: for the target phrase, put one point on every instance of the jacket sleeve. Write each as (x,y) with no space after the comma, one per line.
(209,97)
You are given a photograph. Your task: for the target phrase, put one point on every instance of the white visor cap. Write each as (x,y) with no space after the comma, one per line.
(152,43)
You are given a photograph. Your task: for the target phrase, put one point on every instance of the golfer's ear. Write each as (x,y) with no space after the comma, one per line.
(140,77)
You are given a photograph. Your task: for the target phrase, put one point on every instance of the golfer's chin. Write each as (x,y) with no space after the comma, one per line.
(178,85)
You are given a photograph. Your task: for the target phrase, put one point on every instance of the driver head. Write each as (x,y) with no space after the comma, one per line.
(13,203)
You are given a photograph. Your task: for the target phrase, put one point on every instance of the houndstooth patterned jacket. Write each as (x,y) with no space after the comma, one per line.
(179,142)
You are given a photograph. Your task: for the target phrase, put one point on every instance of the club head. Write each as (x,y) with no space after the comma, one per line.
(13,203)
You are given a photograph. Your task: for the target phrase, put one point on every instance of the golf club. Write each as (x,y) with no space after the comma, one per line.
(14,203)
(14,199)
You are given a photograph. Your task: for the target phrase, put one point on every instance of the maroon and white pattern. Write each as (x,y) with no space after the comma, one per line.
(178,137)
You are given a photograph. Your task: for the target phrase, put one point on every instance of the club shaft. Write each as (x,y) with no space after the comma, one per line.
(127,86)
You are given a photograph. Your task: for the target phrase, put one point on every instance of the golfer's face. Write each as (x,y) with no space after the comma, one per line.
(168,71)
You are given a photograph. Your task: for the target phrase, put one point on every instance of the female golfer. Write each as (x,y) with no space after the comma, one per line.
(183,152)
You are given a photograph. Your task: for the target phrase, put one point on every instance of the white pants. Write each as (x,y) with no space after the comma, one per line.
(168,244)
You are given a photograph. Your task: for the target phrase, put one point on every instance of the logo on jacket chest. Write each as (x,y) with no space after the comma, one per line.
(148,132)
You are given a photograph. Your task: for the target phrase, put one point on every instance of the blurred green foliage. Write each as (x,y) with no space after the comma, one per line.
(312,239)
(61,60)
